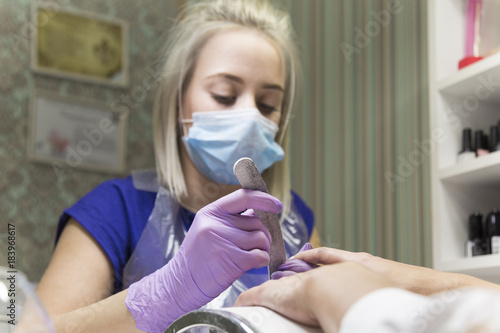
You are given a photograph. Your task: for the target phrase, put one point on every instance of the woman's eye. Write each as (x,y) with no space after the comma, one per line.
(266,109)
(225,100)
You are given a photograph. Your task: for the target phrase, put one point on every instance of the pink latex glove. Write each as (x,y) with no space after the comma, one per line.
(220,246)
(294,266)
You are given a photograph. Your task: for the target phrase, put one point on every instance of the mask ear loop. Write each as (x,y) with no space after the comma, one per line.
(183,123)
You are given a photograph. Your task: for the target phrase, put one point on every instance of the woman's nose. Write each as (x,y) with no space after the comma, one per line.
(246,101)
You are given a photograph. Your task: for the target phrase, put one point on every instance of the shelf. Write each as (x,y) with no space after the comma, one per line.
(458,99)
(486,267)
(466,81)
(484,170)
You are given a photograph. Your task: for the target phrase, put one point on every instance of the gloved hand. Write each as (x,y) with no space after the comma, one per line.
(219,247)
(293,266)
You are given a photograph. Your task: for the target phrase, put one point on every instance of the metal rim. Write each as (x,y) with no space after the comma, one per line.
(217,319)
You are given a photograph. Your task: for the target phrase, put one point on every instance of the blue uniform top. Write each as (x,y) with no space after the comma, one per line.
(115,213)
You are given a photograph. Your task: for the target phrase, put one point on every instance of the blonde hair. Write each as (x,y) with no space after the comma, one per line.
(194,27)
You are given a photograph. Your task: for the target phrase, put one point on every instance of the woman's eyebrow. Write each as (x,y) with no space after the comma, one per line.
(225,76)
(239,80)
(274,86)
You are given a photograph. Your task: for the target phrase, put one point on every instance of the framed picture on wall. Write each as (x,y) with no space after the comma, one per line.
(79,45)
(72,132)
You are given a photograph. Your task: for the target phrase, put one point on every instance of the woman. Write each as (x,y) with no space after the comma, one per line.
(227,89)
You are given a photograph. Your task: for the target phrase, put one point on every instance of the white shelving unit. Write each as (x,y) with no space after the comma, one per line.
(469,97)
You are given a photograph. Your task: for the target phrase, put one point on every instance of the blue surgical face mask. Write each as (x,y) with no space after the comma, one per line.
(218,139)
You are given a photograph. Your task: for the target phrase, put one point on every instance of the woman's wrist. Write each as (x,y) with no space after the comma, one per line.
(464,281)
(429,281)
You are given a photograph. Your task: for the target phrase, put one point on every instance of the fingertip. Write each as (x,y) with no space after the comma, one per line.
(239,300)
(307,246)
(254,258)
(262,258)
(267,202)
(246,298)
(279,205)
(264,261)
(243,299)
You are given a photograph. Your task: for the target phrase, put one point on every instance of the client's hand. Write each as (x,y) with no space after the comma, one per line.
(220,246)
(318,297)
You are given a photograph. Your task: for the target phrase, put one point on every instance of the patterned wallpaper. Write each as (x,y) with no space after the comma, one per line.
(32,196)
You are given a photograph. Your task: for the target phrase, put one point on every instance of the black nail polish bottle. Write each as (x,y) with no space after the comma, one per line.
(474,246)
(468,152)
(492,236)
(493,138)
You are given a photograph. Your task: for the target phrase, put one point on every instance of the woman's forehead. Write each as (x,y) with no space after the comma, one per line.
(242,53)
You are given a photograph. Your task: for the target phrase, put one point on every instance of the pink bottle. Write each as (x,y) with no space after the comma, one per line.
(472,33)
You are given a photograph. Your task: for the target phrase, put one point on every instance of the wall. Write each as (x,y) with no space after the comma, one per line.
(360,119)
(360,132)
(32,196)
